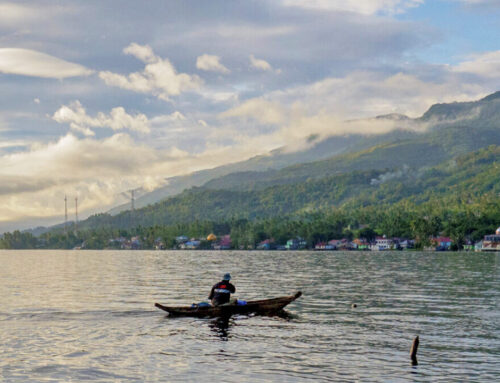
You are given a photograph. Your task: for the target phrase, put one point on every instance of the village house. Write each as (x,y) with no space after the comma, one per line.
(296,244)
(181,239)
(469,245)
(340,244)
(478,246)
(267,244)
(192,244)
(491,242)
(405,244)
(324,246)
(382,244)
(360,244)
(135,243)
(441,243)
(121,242)
(224,243)
(320,246)
(159,244)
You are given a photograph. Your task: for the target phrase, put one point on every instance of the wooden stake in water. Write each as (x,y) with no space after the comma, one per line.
(413,351)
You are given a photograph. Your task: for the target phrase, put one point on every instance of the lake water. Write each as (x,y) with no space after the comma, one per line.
(89,316)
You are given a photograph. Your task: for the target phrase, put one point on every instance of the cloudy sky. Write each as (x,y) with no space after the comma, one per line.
(99,97)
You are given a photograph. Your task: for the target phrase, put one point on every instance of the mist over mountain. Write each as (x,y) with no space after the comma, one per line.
(444,131)
(469,177)
(277,159)
(337,170)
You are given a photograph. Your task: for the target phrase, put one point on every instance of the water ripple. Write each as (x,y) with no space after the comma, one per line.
(74,316)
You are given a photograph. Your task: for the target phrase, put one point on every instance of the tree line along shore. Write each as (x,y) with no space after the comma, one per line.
(463,220)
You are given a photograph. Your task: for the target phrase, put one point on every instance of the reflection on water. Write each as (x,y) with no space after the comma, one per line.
(220,327)
(74,316)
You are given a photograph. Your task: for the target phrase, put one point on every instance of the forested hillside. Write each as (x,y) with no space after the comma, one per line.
(469,176)
(451,162)
(459,198)
(443,132)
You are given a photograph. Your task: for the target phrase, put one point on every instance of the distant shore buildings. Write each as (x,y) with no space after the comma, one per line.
(490,242)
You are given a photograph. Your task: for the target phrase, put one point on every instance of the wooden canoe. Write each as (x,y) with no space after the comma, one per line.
(264,306)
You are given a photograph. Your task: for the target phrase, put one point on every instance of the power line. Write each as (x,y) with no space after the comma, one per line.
(65,215)
(76,214)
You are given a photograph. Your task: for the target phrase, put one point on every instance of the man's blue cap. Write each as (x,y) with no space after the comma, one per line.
(226,277)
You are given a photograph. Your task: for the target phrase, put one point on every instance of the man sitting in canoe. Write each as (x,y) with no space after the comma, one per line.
(221,292)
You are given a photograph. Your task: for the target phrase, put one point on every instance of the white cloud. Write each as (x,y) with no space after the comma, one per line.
(28,62)
(210,63)
(259,109)
(12,13)
(327,107)
(142,52)
(175,116)
(367,7)
(71,157)
(218,96)
(485,65)
(98,170)
(118,119)
(159,76)
(34,182)
(260,64)
(12,143)
(294,124)
(367,94)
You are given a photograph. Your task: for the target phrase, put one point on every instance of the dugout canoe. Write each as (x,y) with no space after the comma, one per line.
(263,307)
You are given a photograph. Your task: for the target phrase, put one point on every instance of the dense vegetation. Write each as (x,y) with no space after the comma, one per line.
(459,198)
(456,217)
(466,177)
(422,150)
(444,179)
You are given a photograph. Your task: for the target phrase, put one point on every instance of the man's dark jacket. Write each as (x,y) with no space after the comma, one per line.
(221,292)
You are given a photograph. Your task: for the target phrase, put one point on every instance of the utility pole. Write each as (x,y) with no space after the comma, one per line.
(65,215)
(76,214)
(132,205)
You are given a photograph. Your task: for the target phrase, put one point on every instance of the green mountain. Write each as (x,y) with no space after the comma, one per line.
(277,159)
(470,176)
(437,176)
(427,149)
(444,131)
(432,160)
(485,109)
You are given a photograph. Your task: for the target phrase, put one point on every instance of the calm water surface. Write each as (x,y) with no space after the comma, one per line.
(89,316)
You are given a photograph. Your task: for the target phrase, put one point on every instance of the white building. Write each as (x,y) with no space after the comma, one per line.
(382,243)
(491,242)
